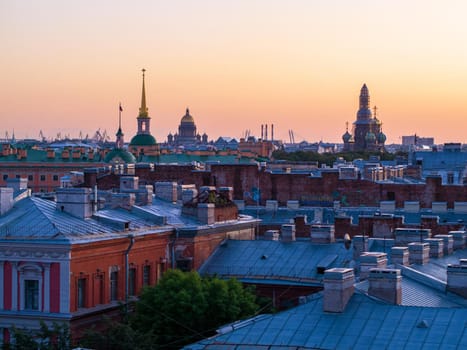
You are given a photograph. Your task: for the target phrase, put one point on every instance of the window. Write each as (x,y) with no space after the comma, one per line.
(114,285)
(18,176)
(31,294)
(81,292)
(55,178)
(5,176)
(30,177)
(132,281)
(146,275)
(42,177)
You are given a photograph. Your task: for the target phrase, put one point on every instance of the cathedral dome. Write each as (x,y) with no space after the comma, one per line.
(346,137)
(187,118)
(381,137)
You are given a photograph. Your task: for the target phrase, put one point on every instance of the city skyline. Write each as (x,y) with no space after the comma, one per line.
(298,65)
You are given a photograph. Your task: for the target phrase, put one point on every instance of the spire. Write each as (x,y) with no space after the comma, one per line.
(143,110)
(119,142)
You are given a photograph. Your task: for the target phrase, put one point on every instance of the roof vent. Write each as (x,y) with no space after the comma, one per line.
(423,324)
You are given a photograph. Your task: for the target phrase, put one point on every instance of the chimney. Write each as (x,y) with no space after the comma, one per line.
(17,184)
(6,199)
(404,236)
(227,192)
(129,183)
(436,247)
(385,284)
(419,253)
(448,243)
(459,239)
(338,289)
(265,132)
(206,213)
(272,132)
(75,201)
(322,234)
(457,278)
(90,177)
(271,235)
(166,190)
(360,245)
(262,131)
(400,256)
(288,233)
(371,260)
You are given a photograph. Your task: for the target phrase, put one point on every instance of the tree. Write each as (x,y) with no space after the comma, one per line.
(183,307)
(58,337)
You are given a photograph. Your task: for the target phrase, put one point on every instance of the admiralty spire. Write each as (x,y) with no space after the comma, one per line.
(143,143)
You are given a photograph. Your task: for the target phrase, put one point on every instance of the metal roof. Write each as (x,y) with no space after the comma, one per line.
(418,294)
(36,218)
(296,261)
(364,324)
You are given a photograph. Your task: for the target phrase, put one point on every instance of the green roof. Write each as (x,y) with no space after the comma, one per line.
(143,140)
(119,156)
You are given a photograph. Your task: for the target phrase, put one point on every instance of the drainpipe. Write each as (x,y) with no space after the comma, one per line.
(127,268)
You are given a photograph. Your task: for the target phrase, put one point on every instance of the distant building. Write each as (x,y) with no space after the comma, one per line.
(367,133)
(119,154)
(143,143)
(416,141)
(187,134)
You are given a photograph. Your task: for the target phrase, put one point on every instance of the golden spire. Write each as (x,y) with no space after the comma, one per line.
(143,110)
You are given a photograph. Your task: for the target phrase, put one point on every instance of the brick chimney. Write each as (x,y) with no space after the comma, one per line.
(448,243)
(166,190)
(436,247)
(271,235)
(457,278)
(288,233)
(419,253)
(6,199)
(338,289)
(75,201)
(400,255)
(386,284)
(360,245)
(371,260)
(459,238)
(322,234)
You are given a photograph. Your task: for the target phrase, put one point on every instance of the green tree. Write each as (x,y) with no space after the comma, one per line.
(183,307)
(57,337)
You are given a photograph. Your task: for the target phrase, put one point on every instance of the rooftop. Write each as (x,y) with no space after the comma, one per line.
(365,324)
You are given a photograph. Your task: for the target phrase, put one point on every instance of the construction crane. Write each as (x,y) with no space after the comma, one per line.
(291,136)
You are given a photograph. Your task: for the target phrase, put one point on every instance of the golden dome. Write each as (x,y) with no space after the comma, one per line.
(187,118)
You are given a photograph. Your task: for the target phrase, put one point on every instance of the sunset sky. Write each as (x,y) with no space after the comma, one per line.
(297,64)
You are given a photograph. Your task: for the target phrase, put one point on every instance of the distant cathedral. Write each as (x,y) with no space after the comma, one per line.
(187,132)
(367,132)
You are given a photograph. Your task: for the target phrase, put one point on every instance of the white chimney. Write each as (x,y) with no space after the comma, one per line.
(338,289)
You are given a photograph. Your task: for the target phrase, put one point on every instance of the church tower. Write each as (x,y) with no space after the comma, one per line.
(143,143)
(367,132)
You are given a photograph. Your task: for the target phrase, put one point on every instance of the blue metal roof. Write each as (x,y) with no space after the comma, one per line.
(271,260)
(364,324)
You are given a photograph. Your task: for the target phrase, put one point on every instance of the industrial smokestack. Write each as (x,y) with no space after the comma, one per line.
(272,132)
(266,131)
(262,130)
